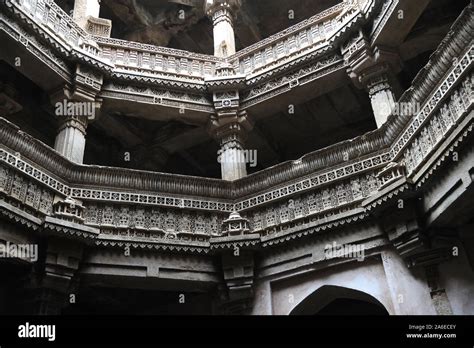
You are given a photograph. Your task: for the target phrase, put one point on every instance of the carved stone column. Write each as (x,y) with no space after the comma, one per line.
(231,154)
(231,134)
(75,106)
(373,69)
(222,13)
(229,126)
(382,98)
(419,248)
(71,138)
(437,292)
(84,9)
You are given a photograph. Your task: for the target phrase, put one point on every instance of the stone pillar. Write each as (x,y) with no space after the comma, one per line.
(84,9)
(374,69)
(75,106)
(231,132)
(231,154)
(71,138)
(438,293)
(382,98)
(222,14)
(229,125)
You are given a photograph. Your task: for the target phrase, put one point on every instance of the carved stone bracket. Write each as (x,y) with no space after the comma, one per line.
(99,26)
(238,272)
(238,266)
(83,92)
(403,228)
(374,69)
(47,290)
(8,104)
(366,62)
(237,247)
(407,234)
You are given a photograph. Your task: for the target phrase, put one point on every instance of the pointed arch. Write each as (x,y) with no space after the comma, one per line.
(328,294)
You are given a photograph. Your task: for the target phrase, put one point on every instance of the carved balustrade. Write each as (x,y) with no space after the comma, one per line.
(325,199)
(157,62)
(169,67)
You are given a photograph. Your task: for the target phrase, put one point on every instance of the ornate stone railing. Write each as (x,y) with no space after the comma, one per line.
(322,189)
(151,62)
(60,31)
(392,137)
(142,217)
(277,48)
(300,42)
(163,66)
(48,14)
(30,197)
(330,197)
(123,59)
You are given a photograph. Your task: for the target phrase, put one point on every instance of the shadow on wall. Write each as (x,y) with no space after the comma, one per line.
(336,300)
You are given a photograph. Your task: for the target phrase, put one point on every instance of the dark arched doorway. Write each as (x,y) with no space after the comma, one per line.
(336,300)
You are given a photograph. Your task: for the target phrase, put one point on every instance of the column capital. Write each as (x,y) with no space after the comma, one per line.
(216,9)
(77,122)
(374,75)
(220,126)
(366,62)
(76,100)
